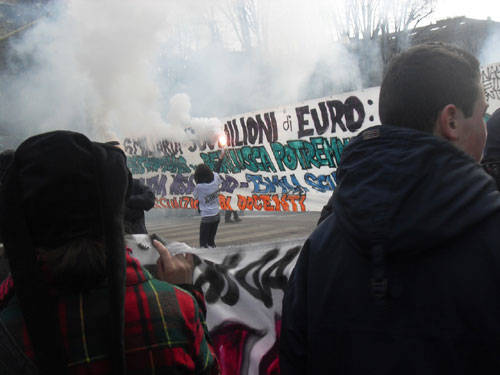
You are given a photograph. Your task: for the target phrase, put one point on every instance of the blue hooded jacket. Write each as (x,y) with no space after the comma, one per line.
(403,277)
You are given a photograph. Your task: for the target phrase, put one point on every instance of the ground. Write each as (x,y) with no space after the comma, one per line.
(251,229)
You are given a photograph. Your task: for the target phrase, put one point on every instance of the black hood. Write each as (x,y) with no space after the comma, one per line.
(409,191)
(60,186)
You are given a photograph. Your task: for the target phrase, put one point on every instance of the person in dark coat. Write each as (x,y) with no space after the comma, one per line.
(229,213)
(402,277)
(491,161)
(6,158)
(81,302)
(141,199)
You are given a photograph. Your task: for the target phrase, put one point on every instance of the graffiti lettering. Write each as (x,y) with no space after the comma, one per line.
(168,148)
(143,164)
(218,279)
(268,185)
(135,147)
(229,183)
(321,183)
(274,159)
(257,290)
(490,76)
(247,157)
(264,202)
(287,124)
(317,152)
(176,202)
(182,185)
(279,280)
(348,116)
(263,283)
(157,183)
(225,203)
(139,147)
(201,145)
(255,278)
(251,130)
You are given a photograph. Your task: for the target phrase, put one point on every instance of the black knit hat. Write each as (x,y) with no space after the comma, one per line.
(61,187)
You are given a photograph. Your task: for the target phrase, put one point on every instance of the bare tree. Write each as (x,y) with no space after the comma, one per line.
(405,15)
(375,30)
(369,19)
(361,19)
(401,19)
(243,17)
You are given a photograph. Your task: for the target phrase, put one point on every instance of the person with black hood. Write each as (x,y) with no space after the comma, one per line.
(402,277)
(82,303)
(491,160)
(6,284)
(6,158)
(141,199)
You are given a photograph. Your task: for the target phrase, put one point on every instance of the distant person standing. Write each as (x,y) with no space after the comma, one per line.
(227,216)
(491,160)
(6,158)
(141,199)
(207,192)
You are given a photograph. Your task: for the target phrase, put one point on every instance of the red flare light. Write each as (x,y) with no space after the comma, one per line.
(222,140)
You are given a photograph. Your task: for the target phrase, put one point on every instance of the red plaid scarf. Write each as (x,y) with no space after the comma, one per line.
(165,329)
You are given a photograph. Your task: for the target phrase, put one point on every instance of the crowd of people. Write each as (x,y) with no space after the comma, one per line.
(400,276)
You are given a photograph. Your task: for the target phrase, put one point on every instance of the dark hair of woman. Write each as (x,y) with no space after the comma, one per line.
(203,174)
(76,266)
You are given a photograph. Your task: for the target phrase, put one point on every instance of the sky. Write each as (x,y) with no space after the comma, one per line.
(479,9)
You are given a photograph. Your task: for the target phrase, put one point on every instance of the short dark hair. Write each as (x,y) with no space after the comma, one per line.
(203,174)
(421,81)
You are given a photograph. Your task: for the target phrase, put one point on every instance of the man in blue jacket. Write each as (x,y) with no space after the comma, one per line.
(403,275)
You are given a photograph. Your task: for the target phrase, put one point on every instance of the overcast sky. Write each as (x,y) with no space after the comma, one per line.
(480,9)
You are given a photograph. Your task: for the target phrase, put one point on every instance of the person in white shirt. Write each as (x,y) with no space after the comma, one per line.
(207,192)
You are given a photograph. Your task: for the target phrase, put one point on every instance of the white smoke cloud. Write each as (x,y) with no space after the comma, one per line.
(90,68)
(108,68)
(491,49)
(179,116)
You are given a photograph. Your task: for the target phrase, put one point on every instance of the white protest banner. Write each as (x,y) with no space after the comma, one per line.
(284,159)
(490,77)
(243,288)
(277,160)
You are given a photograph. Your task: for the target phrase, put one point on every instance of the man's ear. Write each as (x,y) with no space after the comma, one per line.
(446,123)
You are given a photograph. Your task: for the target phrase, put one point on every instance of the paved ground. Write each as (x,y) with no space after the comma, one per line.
(250,230)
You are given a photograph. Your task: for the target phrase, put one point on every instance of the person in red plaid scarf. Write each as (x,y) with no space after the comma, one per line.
(82,304)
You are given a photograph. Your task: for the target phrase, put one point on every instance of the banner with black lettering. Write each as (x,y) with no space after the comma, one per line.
(490,77)
(282,159)
(243,288)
